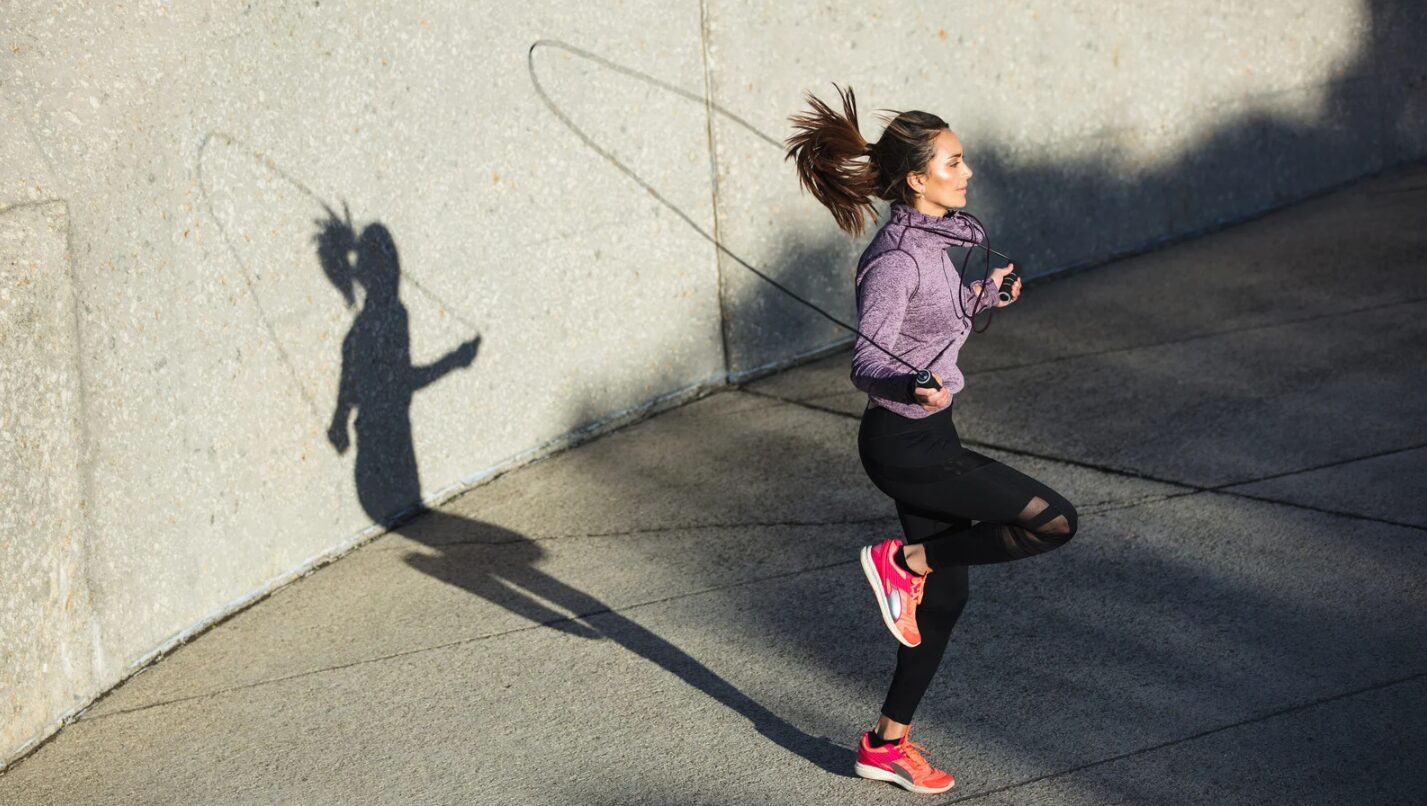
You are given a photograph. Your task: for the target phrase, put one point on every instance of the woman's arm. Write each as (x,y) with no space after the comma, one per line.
(462,356)
(882,295)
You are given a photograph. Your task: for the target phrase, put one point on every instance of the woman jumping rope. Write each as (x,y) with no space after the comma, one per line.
(957,507)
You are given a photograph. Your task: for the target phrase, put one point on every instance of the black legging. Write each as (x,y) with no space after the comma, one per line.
(940,488)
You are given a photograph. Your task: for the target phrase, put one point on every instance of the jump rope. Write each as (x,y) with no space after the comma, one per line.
(924,377)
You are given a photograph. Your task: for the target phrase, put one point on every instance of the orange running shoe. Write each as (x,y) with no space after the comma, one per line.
(898,592)
(902,764)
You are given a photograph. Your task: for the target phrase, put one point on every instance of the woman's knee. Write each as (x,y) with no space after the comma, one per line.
(1065,521)
(1061,529)
(1053,518)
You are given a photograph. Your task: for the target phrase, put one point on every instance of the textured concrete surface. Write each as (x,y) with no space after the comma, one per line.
(195,147)
(673,613)
(46,665)
(324,261)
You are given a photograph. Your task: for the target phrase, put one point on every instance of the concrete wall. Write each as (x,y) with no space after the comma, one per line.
(533,194)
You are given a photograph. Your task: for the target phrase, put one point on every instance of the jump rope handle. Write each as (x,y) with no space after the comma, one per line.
(925,379)
(1006,282)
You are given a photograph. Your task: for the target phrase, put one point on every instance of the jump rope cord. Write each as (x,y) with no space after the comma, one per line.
(985,276)
(305,190)
(954,287)
(657,196)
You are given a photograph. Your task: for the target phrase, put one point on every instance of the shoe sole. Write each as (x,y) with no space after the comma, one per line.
(879,774)
(870,570)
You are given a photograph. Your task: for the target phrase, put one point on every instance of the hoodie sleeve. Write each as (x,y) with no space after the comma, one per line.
(882,294)
(975,303)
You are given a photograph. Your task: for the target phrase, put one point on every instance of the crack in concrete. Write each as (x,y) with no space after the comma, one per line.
(1116,506)
(1303,706)
(1153,499)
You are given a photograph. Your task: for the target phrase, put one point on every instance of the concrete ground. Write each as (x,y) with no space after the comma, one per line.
(674,614)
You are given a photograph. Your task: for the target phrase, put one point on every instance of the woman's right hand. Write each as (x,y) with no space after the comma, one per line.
(932,399)
(998,276)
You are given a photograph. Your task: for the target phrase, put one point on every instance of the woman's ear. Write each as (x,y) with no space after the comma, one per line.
(917,182)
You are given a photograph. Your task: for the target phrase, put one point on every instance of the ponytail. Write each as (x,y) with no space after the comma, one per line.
(844,172)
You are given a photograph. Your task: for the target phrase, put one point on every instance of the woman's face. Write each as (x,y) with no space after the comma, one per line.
(943,181)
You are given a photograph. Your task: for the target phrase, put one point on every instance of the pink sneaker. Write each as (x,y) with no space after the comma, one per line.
(898,592)
(902,764)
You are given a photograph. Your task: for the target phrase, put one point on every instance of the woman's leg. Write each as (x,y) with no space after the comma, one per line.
(943,599)
(1019,517)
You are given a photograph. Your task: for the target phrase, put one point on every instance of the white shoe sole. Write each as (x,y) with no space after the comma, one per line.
(879,774)
(870,570)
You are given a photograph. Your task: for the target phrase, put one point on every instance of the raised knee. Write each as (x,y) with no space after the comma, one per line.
(1062,526)
(1070,516)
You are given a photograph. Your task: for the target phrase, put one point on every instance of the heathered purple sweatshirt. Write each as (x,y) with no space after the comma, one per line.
(905,304)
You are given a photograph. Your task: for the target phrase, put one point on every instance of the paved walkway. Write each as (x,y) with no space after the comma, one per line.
(673,613)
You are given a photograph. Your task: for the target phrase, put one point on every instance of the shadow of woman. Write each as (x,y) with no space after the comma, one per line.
(378,382)
(378,379)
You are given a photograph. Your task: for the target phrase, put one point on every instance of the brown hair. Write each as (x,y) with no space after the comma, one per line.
(828,148)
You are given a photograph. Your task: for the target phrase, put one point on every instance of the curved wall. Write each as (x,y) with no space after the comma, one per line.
(272,274)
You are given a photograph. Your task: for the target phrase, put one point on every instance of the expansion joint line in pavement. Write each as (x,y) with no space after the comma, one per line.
(1303,706)
(678,527)
(471,640)
(1187,488)
(1208,334)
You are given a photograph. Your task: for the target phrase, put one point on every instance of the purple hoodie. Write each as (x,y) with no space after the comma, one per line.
(905,304)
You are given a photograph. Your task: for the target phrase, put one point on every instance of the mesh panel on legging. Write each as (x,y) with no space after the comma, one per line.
(1042,519)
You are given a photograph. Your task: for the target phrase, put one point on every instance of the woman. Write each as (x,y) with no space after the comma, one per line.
(912,302)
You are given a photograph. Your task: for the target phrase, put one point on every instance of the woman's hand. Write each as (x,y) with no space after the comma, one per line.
(932,399)
(998,275)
